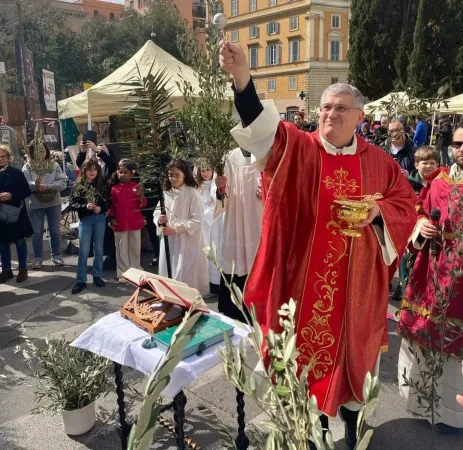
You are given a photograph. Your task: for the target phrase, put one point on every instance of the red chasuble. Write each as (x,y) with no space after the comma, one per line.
(417,318)
(340,283)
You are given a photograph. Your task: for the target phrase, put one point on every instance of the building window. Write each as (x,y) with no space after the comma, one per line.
(252,5)
(334,80)
(335,50)
(131,4)
(292,83)
(253,55)
(272,3)
(293,50)
(234,36)
(111,17)
(273,27)
(272,84)
(272,56)
(253,32)
(140,4)
(293,23)
(95,13)
(234,7)
(335,21)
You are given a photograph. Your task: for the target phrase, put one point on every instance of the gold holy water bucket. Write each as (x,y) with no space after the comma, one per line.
(351,213)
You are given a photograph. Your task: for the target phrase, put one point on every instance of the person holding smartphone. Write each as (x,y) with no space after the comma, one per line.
(105,157)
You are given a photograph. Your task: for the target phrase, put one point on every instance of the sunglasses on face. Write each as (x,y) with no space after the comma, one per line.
(457,144)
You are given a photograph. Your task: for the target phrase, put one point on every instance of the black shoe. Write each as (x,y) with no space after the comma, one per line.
(78,288)
(98,282)
(398,293)
(312,446)
(350,423)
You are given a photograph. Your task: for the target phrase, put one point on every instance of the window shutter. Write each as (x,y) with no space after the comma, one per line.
(277,27)
(267,56)
(268,28)
(257,31)
(279,53)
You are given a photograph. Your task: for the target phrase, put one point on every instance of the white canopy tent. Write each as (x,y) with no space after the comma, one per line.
(108,97)
(454,105)
(377,107)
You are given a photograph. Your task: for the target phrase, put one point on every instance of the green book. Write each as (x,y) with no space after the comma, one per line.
(207,332)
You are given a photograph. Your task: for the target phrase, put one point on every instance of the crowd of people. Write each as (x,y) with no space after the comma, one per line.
(271,218)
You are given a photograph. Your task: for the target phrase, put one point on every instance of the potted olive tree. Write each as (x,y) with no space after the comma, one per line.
(67,380)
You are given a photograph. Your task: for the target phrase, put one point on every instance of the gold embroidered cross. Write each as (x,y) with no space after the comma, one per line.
(341,184)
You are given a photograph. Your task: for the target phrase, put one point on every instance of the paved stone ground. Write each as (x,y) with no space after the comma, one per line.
(44,306)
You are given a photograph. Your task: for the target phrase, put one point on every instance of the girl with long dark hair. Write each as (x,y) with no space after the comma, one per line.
(183,224)
(90,198)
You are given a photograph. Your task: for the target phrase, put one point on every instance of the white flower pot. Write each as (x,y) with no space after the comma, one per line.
(79,421)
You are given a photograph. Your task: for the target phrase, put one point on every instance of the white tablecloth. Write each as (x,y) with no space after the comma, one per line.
(119,340)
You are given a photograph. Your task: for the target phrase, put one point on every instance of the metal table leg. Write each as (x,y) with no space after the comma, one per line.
(179,419)
(124,427)
(242,441)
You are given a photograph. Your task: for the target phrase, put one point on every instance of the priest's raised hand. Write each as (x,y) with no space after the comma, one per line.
(233,61)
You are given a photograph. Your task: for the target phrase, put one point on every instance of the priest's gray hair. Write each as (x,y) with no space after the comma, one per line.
(358,99)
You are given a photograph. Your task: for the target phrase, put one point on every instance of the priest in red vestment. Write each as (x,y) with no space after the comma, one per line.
(423,306)
(340,283)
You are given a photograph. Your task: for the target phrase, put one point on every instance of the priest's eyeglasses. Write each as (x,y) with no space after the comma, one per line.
(339,109)
(457,144)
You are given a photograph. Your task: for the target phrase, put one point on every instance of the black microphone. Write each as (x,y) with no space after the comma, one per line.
(434,219)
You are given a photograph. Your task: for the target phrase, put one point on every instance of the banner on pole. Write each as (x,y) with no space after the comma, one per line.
(49,94)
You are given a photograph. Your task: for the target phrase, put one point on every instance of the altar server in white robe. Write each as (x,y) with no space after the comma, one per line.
(213,224)
(242,222)
(184,226)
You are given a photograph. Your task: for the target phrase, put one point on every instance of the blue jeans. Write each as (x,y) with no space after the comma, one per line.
(91,226)
(37,218)
(21,250)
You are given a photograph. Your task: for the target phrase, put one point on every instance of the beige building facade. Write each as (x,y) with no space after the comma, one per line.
(295,48)
(80,12)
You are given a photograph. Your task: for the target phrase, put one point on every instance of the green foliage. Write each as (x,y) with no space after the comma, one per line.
(372,45)
(95,52)
(414,44)
(68,378)
(207,114)
(143,127)
(41,20)
(108,45)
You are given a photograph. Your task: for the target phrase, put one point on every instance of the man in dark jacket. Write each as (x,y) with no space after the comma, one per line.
(444,139)
(299,122)
(400,147)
